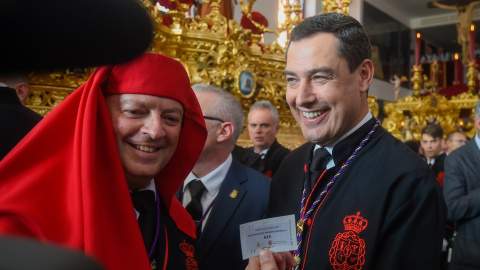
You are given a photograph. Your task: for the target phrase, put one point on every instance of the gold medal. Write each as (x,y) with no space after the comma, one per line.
(297,259)
(300,226)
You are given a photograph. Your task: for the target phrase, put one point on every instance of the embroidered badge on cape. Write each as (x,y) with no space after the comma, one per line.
(189,251)
(348,249)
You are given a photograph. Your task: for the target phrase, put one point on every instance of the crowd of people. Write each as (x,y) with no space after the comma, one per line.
(146,174)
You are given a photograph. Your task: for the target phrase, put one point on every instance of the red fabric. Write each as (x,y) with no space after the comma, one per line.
(256,17)
(64,182)
(440,177)
(171,5)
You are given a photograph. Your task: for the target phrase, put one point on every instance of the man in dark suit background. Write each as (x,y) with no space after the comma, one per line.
(230,193)
(431,142)
(262,128)
(461,189)
(15,119)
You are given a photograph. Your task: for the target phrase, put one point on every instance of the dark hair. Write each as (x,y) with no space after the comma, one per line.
(433,130)
(353,43)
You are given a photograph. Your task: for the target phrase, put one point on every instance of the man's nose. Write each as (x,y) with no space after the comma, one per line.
(305,94)
(153,126)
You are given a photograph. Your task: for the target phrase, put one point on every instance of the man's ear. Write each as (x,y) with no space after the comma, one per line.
(226,132)
(366,75)
(22,92)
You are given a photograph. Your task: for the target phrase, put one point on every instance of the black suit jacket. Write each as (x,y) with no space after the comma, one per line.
(462,195)
(386,185)
(218,247)
(270,163)
(274,157)
(15,120)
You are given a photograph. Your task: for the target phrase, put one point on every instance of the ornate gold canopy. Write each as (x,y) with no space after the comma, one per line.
(220,52)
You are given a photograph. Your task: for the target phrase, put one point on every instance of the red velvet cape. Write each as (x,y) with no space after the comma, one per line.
(64,182)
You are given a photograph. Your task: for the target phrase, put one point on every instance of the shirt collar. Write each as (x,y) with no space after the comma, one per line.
(151,187)
(3,85)
(331,164)
(214,179)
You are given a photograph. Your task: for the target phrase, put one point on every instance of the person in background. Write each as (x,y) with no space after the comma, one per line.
(454,140)
(429,57)
(355,202)
(15,119)
(262,128)
(220,193)
(461,189)
(116,149)
(442,54)
(431,142)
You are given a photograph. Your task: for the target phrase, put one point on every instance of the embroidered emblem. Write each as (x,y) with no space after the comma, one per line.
(348,249)
(189,251)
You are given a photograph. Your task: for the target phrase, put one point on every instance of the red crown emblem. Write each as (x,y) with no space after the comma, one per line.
(191,264)
(355,223)
(187,249)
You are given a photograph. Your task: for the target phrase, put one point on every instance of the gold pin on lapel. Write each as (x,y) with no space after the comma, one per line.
(234,194)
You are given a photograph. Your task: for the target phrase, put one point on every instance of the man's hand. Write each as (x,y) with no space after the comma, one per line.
(271,261)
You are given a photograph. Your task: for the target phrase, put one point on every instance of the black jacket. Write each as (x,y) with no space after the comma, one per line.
(16,120)
(385,211)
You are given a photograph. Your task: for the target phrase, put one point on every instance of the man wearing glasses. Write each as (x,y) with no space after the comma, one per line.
(220,193)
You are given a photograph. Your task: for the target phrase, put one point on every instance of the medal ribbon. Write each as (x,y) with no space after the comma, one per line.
(157,231)
(305,216)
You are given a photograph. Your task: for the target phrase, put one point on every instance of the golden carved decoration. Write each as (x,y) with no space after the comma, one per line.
(217,51)
(471,75)
(417,79)
(406,117)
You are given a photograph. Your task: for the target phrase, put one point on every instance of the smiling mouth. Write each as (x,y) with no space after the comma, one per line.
(146,148)
(310,115)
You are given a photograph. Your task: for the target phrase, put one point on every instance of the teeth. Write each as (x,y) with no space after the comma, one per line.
(309,115)
(146,148)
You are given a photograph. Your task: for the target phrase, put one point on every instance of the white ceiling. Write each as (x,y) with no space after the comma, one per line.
(437,26)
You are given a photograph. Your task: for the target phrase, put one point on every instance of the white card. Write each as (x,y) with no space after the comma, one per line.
(276,234)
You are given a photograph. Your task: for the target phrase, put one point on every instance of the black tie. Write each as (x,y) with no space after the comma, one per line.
(194,207)
(144,203)
(320,159)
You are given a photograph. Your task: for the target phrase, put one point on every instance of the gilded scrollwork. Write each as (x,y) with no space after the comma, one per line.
(408,116)
(216,51)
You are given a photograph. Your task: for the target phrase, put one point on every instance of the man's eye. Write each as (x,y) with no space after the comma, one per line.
(291,80)
(253,125)
(172,120)
(131,112)
(264,125)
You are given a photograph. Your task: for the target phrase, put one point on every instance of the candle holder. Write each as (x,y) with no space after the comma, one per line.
(472,65)
(417,79)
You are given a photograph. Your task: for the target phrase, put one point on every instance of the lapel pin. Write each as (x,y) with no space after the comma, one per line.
(234,194)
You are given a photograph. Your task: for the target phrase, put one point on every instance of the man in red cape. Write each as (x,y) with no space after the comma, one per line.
(75,188)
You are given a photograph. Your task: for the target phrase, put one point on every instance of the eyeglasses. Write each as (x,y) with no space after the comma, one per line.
(213,118)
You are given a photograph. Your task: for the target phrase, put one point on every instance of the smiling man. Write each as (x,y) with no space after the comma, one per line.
(361,198)
(116,150)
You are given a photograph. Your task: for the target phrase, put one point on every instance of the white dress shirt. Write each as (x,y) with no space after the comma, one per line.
(212,183)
